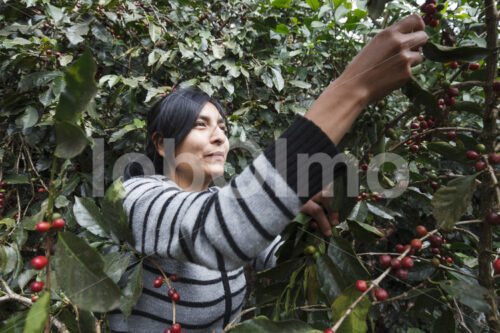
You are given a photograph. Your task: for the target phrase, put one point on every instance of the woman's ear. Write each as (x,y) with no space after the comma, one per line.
(158,143)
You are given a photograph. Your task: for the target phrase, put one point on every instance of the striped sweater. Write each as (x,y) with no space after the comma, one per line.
(207,237)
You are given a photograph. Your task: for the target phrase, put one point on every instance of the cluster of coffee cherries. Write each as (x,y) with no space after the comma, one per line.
(58,223)
(422,123)
(373,197)
(398,267)
(449,98)
(311,250)
(432,13)
(172,293)
(2,194)
(39,262)
(380,294)
(472,155)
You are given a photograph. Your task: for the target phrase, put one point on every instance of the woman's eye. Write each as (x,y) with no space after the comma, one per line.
(199,123)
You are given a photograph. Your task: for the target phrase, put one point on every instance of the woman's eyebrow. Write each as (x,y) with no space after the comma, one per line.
(220,120)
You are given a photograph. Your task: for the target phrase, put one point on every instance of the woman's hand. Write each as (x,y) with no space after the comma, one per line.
(318,208)
(384,64)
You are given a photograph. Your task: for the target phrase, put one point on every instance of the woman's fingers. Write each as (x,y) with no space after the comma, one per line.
(414,40)
(409,24)
(316,211)
(334,219)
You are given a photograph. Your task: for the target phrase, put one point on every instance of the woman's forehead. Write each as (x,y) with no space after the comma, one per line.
(209,110)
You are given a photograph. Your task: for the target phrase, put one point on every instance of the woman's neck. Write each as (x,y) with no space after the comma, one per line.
(187,184)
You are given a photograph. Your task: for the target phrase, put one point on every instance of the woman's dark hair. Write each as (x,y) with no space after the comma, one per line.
(172,117)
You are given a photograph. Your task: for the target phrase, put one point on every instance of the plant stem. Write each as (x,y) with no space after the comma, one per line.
(488,139)
(48,243)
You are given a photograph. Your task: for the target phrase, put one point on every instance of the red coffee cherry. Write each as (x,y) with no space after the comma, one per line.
(414,148)
(41,190)
(174,278)
(434,185)
(407,262)
(381,294)
(480,166)
(395,263)
(449,260)
(435,250)
(39,262)
(176,328)
(364,166)
(454,65)
(402,273)
(400,248)
(449,101)
(385,260)
(157,283)
(473,66)
(451,135)
(493,158)
(42,226)
(496,86)
(421,230)
(435,241)
(496,266)
(492,218)
(171,292)
(176,297)
(36,286)
(452,91)
(329,330)
(34,298)
(361,285)
(416,244)
(58,224)
(471,155)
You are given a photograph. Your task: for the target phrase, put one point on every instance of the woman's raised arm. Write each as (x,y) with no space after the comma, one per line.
(225,229)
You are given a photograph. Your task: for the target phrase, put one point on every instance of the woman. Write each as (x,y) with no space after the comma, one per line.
(205,235)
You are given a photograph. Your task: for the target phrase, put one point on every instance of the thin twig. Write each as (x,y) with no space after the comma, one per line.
(494,178)
(167,281)
(12,296)
(461,84)
(462,321)
(437,129)
(468,222)
(470,233)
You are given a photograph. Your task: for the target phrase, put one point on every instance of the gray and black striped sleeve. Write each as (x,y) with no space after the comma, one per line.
(228,228)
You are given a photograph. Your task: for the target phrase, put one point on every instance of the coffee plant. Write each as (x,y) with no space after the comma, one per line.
(78,78)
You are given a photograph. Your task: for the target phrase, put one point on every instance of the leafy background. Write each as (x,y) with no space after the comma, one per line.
(76,75)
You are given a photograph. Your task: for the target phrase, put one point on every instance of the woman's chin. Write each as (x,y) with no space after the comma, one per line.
(216,172)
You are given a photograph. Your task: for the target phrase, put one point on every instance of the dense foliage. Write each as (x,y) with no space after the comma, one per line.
(78,79)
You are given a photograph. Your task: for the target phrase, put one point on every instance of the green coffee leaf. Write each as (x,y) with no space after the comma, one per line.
(79,273)
(450,202)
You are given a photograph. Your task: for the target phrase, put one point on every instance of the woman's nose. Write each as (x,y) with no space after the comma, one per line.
(218,135)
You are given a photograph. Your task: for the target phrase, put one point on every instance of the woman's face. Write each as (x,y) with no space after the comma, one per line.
(205,147)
